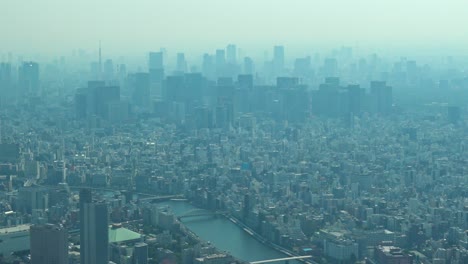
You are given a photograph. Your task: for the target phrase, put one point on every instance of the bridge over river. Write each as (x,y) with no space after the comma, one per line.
(200,212)
(223,233)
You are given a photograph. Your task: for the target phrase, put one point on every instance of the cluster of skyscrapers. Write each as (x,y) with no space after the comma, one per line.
(49,243)
(331,156)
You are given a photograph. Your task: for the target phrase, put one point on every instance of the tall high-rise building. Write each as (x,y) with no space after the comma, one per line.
(49,244)
(156,66)
(278,60)
(325,101)
(208,67)
(85,198)
(95,70)
(91,101)
(231,54)
(104,96)
(220,63)
(81,104)
(5,78)
(356,95)
(29,77)
(95,99)
(155,60)
(108,70)
(94,230)
(140,253)
(302,67)
(140,83)
(30,198)
(248,65)
(245,81)
(220,57)
(181,63)
(381,97)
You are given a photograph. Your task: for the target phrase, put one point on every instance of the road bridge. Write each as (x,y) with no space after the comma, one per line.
(200,212)
(286,260)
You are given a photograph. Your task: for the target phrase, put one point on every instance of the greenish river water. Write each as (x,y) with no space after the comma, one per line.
(224,234)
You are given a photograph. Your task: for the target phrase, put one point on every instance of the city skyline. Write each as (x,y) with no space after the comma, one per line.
(233,132)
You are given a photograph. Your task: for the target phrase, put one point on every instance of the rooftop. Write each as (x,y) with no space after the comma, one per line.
(120,235)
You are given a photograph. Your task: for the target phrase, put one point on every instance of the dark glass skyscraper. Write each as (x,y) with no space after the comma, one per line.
(140,253)
(29,77)
(94,230)
(140,83)
(381,97)
(49,244)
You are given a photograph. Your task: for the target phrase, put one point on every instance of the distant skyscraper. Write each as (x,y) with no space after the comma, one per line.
(278,60)
(95,99)
(140,83)
(302,67)
(381,97)
(231,54)
(81,104)
(356,95)
(29,78)
(208,67)
(325,101)
(5,81)
(248,65)
(245,81)
(100,62)
(95,70)
(220,58)
(91,103)
(118,112)
(122,71)
(94,230)
(49,244)
(108,70)
(156,67)
(181,63)
(103,96)
(155,60)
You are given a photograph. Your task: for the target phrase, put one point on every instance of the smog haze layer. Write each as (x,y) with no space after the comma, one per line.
(126,27)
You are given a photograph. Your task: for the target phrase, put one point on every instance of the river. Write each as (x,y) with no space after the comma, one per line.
(224,234)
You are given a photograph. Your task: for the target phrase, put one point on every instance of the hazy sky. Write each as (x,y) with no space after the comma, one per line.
(141,25)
